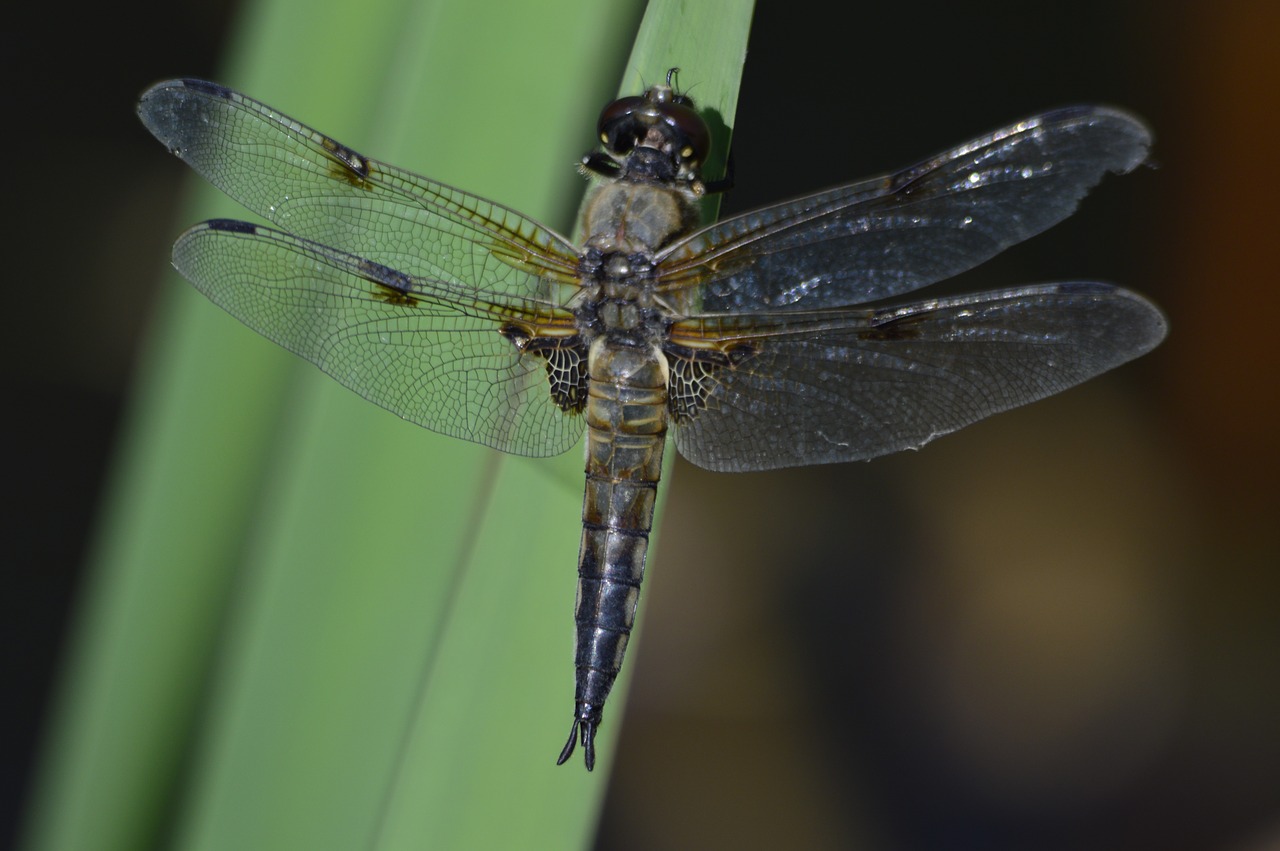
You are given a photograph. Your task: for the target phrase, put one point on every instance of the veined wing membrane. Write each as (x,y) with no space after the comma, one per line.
(889,235)
(428,351)
(860,382)
(316,188)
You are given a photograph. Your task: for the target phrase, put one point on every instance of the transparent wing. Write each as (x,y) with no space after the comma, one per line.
(857,383)
(428,351)
(314,187)
(892,234)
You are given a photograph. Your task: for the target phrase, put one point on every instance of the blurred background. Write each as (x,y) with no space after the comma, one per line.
(1053,630)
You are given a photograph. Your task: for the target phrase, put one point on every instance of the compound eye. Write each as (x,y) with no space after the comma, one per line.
(618,125)
(692,132)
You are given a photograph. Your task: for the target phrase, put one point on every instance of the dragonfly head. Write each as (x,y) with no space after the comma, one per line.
(660,130)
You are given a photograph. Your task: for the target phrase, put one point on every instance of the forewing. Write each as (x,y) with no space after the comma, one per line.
(893,234)
(858,383)
(314,187)
(428,351)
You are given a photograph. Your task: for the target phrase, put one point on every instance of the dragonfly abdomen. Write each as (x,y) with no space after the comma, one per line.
(626,418)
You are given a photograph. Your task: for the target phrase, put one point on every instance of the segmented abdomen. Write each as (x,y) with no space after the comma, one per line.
(626,418)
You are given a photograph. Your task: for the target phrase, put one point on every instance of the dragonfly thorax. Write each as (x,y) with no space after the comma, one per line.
(617,296)
(637,218)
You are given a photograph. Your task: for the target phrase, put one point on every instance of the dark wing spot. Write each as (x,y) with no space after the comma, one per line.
(518,336)
(355,167)
(567,374)
(694,376)
(207,88)
(891,327)
(1085,288)
(566,359)
(391,285)
(231,226)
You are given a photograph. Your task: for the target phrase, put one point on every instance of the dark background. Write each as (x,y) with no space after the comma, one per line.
(1054,630)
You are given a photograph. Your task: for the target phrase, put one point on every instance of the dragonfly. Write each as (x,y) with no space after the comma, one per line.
(768,339)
